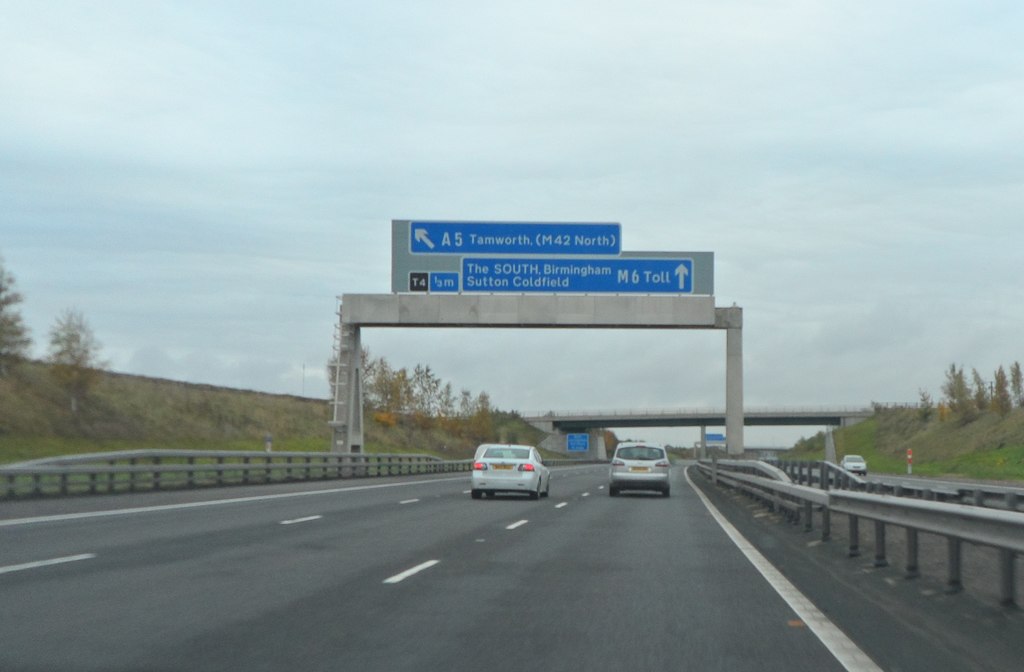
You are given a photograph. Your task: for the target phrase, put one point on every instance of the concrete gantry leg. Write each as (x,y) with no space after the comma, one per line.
(731,319)
(347,417)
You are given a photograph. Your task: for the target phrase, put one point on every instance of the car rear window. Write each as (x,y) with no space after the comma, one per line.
(508,453)
(640,453)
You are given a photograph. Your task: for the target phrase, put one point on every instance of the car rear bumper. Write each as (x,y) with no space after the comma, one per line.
(629,481)
(518,483)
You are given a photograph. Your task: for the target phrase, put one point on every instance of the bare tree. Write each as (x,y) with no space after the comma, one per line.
(14,340)
(74,356)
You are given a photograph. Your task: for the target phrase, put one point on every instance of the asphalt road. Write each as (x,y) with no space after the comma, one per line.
(405,574)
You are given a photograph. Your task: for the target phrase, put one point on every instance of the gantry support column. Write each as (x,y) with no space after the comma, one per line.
(347,416)
(731,319)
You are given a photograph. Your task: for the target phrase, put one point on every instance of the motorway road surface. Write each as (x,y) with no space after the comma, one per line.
(405,574)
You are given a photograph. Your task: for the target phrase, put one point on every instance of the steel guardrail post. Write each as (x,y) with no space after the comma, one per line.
(912,569)
(854,549)
(1008,588)
(880,558)
(954,581)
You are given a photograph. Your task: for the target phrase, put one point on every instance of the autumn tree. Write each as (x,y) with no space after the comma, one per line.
(74,356)
(958,394)
(1001,403)
(14,340)
(981,391)
(1017,384)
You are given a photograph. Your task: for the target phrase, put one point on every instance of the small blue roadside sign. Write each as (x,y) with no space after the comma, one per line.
(444,282)
(577,443)
(585,276)
(564,238)
(714,438)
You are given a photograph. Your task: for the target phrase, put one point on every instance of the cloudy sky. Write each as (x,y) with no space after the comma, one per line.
(201,179)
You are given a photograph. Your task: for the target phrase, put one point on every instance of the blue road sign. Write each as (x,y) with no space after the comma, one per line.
(586,276)
(577,443)
(717,438)
(461,238)
(444,282)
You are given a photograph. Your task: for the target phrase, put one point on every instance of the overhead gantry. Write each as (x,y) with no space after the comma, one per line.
(525,311)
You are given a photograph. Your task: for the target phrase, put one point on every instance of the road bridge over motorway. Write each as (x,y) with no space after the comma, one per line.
(559,424)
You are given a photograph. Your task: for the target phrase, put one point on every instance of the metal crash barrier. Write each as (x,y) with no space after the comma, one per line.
(1000,529)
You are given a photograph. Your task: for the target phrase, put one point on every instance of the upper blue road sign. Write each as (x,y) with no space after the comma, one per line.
(561,238)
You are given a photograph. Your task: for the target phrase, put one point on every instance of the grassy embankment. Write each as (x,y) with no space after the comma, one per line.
(989,448)
(131,412)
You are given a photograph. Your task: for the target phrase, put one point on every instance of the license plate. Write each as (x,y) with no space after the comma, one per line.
(503,466)
(639,470)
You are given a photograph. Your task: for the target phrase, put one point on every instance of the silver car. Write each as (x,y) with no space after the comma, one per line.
(855,464)
(503,467)
(639,466)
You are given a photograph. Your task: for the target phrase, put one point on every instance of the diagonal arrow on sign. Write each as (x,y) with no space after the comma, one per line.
(422,237)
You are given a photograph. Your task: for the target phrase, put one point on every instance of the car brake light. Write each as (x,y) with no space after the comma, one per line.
(525,467)
(479,466)
(663,463)
(618,463)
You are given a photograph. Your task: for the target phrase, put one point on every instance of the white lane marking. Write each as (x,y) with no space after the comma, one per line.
(46,563)
(586,494)
(397,578)
(562,505)
(300,520)
(409,501)
(849,655)
(516,524)
(466,492)
(212,502)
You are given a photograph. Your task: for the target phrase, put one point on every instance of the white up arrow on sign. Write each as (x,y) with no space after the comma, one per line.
(682,272)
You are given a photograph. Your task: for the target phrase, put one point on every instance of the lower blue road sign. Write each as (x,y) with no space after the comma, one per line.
(577,443)
(619,276)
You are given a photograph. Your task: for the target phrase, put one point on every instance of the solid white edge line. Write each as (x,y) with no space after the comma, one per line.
(46,563)
(212,502)
(518,523)
(849,655)
(409,501)
(300,520)
(398,578)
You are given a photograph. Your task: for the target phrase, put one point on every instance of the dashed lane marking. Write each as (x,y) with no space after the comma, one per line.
(398,578)
(46,563)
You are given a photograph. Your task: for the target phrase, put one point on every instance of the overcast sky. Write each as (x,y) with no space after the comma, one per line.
(201,179)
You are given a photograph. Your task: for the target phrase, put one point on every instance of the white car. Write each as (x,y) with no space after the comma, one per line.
(507,467)
(639,466)
(855,464)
